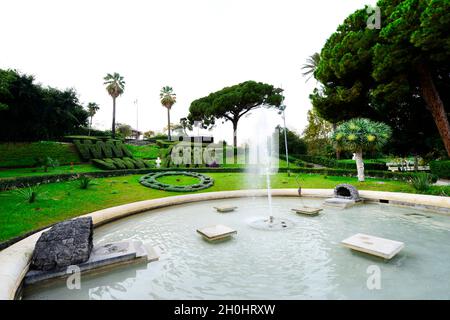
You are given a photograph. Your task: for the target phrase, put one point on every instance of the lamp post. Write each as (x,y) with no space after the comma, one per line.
(282,108)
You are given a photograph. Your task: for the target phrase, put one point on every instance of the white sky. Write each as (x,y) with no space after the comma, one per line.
(195,46)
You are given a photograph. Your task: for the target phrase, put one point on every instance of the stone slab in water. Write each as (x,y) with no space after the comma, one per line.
(102,256)
(339,203)
(307,211)
(225,209)
(66,243)
(376,246)
(217,232)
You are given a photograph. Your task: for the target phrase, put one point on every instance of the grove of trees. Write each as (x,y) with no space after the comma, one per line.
(399,74)
(31,112)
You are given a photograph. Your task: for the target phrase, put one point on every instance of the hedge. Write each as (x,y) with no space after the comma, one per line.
(440,168)
(332,163)
(6,184)
(16,155)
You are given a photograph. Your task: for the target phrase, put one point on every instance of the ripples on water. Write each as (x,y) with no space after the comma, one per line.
(303,262)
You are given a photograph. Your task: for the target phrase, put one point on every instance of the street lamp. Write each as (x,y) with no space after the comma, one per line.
(281,112)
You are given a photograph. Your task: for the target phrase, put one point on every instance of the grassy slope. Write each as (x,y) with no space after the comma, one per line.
(59,201)
(24,154)
(144,152)
(26,172)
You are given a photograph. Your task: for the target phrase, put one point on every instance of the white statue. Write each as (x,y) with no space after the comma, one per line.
(158,162)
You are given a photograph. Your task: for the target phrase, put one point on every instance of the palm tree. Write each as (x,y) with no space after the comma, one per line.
(92,110)
(115,85)
(311,65)
(358,135)
(168,99)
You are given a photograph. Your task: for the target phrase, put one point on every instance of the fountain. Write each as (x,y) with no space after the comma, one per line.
(263,162)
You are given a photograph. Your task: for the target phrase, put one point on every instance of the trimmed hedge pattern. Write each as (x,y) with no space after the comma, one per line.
(440,168)
(332,163)
(151,181)
(10,183)
(100,149)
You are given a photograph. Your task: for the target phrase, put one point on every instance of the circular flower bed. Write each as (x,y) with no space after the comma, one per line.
(151,180)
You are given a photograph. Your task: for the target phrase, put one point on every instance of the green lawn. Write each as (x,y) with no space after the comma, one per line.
(25,172)
(178,180)
(59,201)
(144,152)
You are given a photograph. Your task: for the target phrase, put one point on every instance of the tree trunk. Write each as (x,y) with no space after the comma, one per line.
(113,129)
(434,104)
(359,165)
(338,151)
(168,124)
(90,126)
(235,123)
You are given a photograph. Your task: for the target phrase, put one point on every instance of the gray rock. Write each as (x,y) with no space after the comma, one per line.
(346,191)
(66,243)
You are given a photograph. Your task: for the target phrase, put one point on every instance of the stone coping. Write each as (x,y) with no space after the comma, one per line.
(15,260)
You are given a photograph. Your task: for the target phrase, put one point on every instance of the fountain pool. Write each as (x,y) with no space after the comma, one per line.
(306,261)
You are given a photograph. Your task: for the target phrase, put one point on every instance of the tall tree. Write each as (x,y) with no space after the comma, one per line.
(317,134)
(232,103)
(310,66)
(413,51)
(115,85)
(394,74)
(359,135)
(168,99)
(92,110)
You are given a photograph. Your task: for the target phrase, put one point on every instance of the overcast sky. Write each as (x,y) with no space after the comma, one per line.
(195,46)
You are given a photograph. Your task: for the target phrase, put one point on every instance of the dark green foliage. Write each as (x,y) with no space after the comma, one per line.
(378,74)
(113,150)
(119,163)
(101,149)
(29,194)
(296,145)
(421,181)
(138,163)
(85,182)
(331,163)
(232,103)
(164,144)
(128,163)
(84,148)
(440,168)
(25,154)
(46,163)
(150,180)
(103,164)
(30,112)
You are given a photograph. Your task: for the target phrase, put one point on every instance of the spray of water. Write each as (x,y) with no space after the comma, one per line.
(262,156)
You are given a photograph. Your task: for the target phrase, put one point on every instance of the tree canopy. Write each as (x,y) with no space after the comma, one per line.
(31,112)
(359,135)
(398,74)
(232,103)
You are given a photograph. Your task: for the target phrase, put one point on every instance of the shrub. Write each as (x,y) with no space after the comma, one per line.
(85,182)
(29,193)
(119,163)
(103,164)
(421,181)
(129,163)
(440,168)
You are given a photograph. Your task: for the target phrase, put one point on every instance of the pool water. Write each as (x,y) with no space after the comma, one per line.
(305,261)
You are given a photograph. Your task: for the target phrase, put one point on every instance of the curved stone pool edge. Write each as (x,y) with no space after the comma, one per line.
(15,260)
